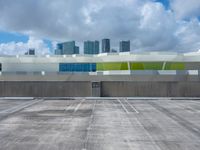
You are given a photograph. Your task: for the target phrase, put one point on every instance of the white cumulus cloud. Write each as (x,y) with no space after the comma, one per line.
(148,24)
(186,8)
(13,48)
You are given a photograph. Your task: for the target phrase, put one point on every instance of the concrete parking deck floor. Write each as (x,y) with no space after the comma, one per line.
(87,124)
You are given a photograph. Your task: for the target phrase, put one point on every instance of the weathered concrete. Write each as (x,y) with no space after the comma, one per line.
(37,76)
(107,89)
(150,89)
(44,89)
(83,124)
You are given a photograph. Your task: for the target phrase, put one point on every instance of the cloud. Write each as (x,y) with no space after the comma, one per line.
(148,24)
(185,9)
(188,34)
(14,48)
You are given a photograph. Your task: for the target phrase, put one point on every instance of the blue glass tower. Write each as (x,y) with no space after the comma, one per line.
(106,46)
(91,47)
(67,48)
(124,46)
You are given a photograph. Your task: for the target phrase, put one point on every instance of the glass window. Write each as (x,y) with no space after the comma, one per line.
(77,67)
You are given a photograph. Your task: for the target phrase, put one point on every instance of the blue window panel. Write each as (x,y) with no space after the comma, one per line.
(93,67)
(77,67)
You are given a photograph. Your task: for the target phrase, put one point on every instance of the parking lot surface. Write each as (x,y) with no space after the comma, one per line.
(99,124)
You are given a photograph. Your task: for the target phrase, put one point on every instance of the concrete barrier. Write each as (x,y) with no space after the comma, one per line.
(104,89)
(150,89)
(44,89)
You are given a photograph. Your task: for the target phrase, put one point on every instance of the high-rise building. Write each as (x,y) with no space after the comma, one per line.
(124,46)
(58,52)
(31,51)
(76,50)
(113,51)
(59,49)
(91,47)
(106,46)
(67,48)
(96,47)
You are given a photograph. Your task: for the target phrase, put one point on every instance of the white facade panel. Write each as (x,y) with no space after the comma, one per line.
(121,57)
(30,67)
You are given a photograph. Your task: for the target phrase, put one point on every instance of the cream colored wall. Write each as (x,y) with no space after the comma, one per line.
(30,67)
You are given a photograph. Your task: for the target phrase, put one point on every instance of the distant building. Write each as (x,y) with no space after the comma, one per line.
(124,46)
(77,50)
(58,52)
(91,47)
(67,48)
(31,51)
(114,51)
(106,46)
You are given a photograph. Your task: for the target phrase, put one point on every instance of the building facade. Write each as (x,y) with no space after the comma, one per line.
(106,46)
(91,47)
(102,63)
(67,48)
(124,46)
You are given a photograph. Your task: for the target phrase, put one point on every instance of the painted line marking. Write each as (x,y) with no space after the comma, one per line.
(90,126)
(123,106)
(141,125)
(68,107)
(132,106)
(20,107)
(78,106)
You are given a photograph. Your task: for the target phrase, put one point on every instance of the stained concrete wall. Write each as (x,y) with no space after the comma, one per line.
(44,89)
(108,89)
(150,89)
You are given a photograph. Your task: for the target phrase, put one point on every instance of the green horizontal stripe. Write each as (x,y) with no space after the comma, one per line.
(146,65)
(140,66)
(112,66)
(175,66)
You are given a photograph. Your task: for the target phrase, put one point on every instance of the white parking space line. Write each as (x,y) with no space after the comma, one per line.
(68,107)
(20,107)
(79,105)
(132,106)
(140,124)
(123,106)
(90,125)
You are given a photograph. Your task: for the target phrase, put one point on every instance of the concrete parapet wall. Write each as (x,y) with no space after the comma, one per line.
(90,78)
(107,89)
(45,89)
(150,89)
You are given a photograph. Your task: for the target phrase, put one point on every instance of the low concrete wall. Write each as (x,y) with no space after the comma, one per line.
(150,89)
(45,89)
(107,88)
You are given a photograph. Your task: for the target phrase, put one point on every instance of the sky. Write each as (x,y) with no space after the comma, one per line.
(151,25)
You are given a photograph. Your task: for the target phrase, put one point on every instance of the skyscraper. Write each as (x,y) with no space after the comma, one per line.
(91,47)
(31,51)
(124,46)
(106,46)
(67,48)
(59,49)
(76,50)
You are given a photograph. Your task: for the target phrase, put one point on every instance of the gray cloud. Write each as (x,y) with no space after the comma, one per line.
(185,9)
(146,23)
